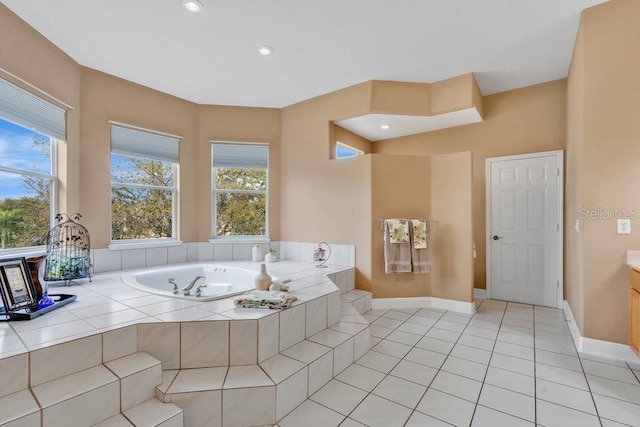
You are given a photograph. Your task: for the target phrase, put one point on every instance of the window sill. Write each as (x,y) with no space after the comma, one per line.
(23,252)
(239,239)
(143,245)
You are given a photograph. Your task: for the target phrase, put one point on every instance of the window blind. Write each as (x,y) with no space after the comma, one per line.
(138,143)
(240,156)
(28,110)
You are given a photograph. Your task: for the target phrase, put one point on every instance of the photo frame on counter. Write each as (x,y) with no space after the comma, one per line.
(16,286)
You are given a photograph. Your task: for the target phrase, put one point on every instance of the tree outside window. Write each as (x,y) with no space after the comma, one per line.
(27,180)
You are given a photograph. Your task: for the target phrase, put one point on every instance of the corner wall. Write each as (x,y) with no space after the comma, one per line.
(452,230)
(520,121)
(603,155)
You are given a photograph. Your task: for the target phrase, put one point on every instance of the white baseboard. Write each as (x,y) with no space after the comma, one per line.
(611,350)
(425,302)
(479,293)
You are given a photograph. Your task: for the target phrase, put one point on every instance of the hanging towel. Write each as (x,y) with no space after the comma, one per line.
(420,247)
(398,230)
(397,247)
(264,299)
(419,228)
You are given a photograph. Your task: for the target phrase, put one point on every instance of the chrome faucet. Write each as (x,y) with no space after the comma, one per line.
(175,286)
(187,288)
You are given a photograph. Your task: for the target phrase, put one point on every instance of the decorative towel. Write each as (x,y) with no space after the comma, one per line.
(397,255)
(420,256)
(398,230)
(264,299)
(419,228)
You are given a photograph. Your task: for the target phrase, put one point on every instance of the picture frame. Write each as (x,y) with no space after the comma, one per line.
(16,286)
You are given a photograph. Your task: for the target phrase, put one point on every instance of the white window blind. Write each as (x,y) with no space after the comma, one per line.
(138,143)
(28,110)
(240,156)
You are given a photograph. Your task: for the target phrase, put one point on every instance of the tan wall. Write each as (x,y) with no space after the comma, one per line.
(323,199)
(573,254)
(452,230)
(521,121)
(400,188)
(105,98)
(605,127)
(236,124)
(31,57)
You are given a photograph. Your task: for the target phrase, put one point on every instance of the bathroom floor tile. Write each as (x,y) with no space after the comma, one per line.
(375,411)
(339,396)
(378,361)
(552,415)
(400,391)
(507,401)
(565,395)
(312,414)
(510,380)
(414,372)
(457,385)
(445,407)
(487,417)
(361,377)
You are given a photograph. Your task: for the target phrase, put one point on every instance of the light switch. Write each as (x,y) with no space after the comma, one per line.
(623,226)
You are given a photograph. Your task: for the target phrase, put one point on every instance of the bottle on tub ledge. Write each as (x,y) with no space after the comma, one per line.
(271,255)
(256,253)
(263,280)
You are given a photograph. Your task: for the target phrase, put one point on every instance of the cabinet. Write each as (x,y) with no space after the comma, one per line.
(634,311)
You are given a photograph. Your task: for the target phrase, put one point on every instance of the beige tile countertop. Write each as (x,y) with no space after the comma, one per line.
(107,303)
(633,260)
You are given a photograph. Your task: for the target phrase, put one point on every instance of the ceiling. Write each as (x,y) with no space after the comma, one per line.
(319,46)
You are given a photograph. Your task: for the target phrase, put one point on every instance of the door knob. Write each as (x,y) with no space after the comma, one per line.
(497,237)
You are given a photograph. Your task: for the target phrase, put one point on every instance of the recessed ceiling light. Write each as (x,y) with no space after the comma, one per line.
(192,5)
(265,50)
(385,126)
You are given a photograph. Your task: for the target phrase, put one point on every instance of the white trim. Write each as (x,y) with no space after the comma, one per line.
(559,154)
(608,349)
(425,302)
(160,243)
(223,240)
(479,293)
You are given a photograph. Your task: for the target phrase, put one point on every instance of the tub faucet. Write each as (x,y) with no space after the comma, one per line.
(187,288)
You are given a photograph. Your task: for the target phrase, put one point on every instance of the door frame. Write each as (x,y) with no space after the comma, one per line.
(559,155)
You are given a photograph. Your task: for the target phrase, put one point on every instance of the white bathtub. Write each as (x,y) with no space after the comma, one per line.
(221,281)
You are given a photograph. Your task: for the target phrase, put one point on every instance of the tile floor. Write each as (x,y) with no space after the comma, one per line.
(507,365)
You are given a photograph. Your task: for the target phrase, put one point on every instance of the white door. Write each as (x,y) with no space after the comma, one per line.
(524,228)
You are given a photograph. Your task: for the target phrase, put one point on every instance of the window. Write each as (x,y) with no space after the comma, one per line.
(29,129)
(27,186)
(143,184)
(240,189)
(344,151)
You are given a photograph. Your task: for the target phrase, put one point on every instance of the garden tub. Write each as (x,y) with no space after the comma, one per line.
(220,281)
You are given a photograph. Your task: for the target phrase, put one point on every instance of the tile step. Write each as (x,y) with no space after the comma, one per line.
(154,413)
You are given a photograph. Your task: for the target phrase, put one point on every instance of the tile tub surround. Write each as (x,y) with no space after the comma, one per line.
(107,303)
(231,343)
(106,260)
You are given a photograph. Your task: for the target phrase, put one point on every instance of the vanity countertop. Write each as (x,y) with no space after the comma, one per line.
(633,260)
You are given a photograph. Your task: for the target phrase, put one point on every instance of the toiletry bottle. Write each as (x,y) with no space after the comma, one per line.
(263,280)
(256,253)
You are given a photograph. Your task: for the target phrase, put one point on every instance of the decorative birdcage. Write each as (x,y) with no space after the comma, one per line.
(68,256)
